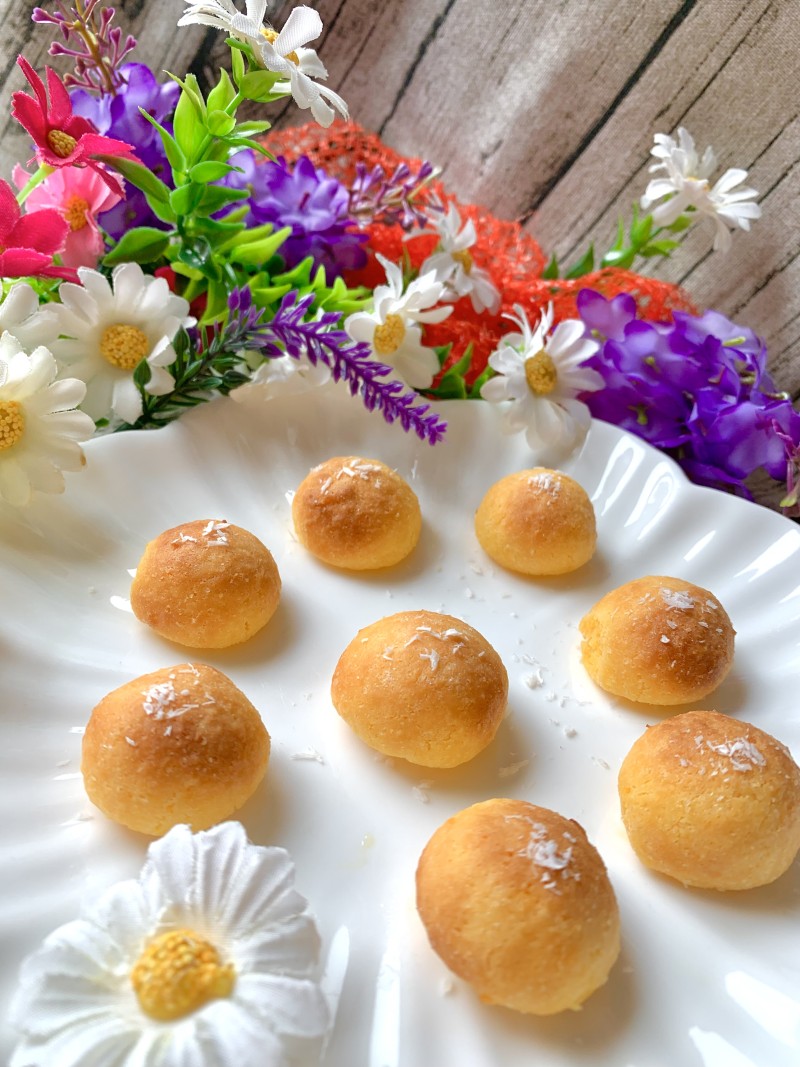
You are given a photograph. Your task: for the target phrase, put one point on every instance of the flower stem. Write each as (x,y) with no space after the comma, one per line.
(43,172)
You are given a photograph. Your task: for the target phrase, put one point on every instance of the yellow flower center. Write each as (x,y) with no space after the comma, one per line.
(75,212)
(540,373)
(12,423)
(124,346)
(389,336)
(272,36)
(62,143)
(178,973)
(465,259)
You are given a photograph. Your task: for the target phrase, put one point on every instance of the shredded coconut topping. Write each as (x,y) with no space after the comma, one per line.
(545,853)
(675,598)
(161,702)
(432,656)
(218,528)
(183,537)
(742,753)
(545,480)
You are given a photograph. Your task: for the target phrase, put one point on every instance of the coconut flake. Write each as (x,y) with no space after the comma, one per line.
(676,598)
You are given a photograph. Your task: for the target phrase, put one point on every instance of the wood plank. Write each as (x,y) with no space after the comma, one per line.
(752,121)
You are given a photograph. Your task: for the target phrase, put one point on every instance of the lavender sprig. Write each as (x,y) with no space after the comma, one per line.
(96,47)
(376,198)
(288,334)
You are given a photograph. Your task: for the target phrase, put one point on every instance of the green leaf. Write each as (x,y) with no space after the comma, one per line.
(139,176)
(186,198)
(256,253)
(145,244)
(258,85)
(248,142)
(219,123)
(551,270)
(683,222)
(209,171)
(222,94)
(237,60)
(584,265)
(485,376)
(659,248)
(619,244)
(253,129)
(188,125)
(622,258)
(196,255)
(176,158)
(265,295)
(640,230)
(451,387)
(219,196)
(191,88)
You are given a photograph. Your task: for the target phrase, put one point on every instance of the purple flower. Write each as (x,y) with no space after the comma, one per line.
(305,198)
(393,201)
(608,318)
(119,116)
(697,387)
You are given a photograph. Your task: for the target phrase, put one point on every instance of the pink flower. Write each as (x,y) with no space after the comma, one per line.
(29,242)
(63,139)
(79,195)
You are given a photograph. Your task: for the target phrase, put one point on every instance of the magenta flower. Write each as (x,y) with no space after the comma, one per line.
(78,195)
(29,242)
(62,138)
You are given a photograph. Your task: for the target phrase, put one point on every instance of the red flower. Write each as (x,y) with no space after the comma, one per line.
(29,242)
(62,138)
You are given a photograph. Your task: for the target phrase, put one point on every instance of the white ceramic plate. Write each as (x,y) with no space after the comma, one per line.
(704,979)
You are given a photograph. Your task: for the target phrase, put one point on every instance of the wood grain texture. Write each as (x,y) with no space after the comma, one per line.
(544,110)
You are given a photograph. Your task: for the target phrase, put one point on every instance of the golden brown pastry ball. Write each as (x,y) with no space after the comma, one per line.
(206,584)
(537,522)
(422,686)
(518,903)
(711,801)
(658,640)
(356,513)
(180,745)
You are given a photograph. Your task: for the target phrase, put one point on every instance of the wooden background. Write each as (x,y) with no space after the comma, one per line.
(544,110)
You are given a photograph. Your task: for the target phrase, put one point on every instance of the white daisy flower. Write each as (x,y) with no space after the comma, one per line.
(284,376)
(107,330)
(541,375)
(392,329)
(686,185)
(208,959)
(39,428)
(22,315)
(282,53)
(453,265)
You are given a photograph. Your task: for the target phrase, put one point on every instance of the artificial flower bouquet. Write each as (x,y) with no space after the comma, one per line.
(161,250)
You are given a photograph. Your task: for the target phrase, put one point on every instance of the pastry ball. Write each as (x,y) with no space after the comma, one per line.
(518,903)
(206,584)
(537,522)
(658,640)
(357,514)
(180,745)
(422,686)
(711,801)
